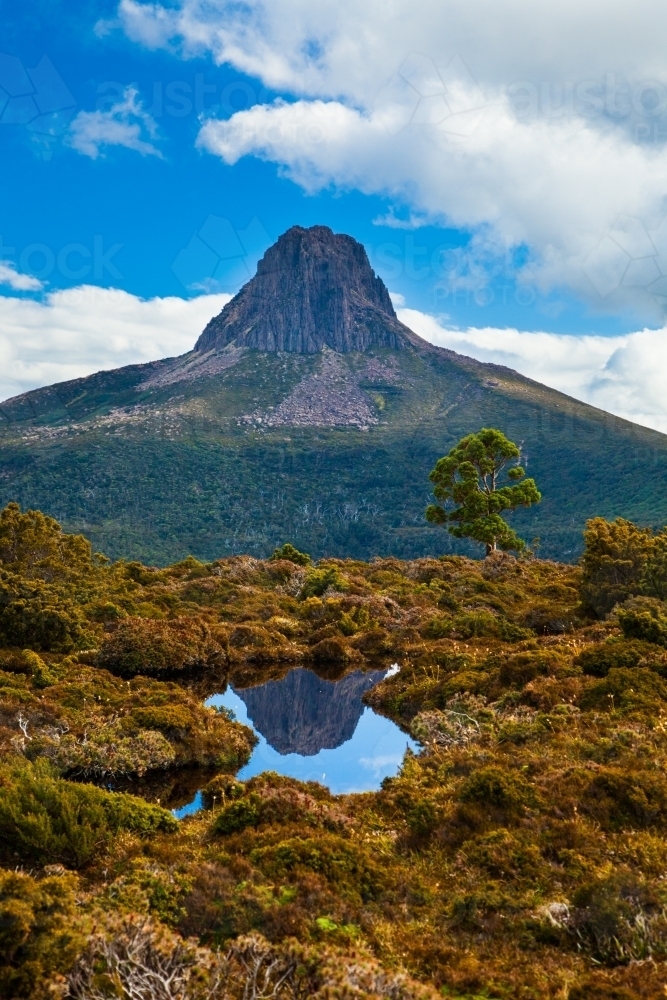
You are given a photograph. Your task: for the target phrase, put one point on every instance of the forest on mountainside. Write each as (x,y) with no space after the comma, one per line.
(155,472)
(520,854)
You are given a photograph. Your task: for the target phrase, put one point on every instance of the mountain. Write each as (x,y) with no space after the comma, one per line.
(301,713)
(307,412)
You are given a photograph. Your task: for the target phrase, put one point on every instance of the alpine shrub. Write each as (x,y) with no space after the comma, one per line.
(45,819)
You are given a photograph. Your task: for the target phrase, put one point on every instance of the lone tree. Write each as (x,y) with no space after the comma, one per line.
(468,482)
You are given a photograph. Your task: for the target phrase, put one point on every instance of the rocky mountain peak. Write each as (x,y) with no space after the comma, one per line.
(313,289)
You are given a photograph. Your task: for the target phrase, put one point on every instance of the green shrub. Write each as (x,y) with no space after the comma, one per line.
(280,571)
(598,660)
(649,625)
(472,681)
(221,789)
(511,632)
(613,563)
(279,800)
(35,545)
(475,624)
(595,989)
(422,818)
(620,799)
(355,620)
(503,854)
(256,637)
(42,677)
(45,819)
(330,651)
(635,689)
(620,561)
(499,789)
(152,647)
(238,815)
(107,750)
(438,628)
(104,612)
(339,861)
(517,670)
(163,717)
(35,614)
(319,580)
(374,642)
(548,619)
(519,732)
(654,577)
(41,932)
(291,554)
(144,575)
(145,886)
(347,625)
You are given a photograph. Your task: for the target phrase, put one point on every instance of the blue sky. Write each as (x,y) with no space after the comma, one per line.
(152,207)
(168,146)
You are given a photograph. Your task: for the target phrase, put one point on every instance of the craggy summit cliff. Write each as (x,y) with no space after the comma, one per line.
(313,288)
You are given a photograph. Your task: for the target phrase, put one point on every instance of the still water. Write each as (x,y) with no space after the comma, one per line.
(316,730)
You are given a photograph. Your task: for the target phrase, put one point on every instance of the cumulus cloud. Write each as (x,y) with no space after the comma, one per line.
(538,185)
(12,278)
(124,124)
(546,124)
(82,330)
(624,375)
(342,48)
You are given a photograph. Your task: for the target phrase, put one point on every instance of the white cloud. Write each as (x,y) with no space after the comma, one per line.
(393,221)
(151,24)
(87,329)
(12,278)
(624,375)
(124,124)
(104,26)
(331,48)
(540,183)
(544,123)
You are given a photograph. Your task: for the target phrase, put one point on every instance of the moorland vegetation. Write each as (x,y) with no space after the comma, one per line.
(520,854)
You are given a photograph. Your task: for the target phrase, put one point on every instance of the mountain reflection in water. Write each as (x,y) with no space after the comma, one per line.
(304,714)
(318,730)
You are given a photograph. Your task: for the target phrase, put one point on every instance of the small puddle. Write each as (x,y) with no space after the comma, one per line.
(316,730)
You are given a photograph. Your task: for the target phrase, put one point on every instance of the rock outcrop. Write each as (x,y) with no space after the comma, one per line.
(313,289)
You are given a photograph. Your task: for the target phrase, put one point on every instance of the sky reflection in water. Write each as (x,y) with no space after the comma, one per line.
(374,751)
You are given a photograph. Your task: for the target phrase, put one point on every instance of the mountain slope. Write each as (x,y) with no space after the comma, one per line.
(238,446)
